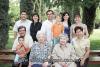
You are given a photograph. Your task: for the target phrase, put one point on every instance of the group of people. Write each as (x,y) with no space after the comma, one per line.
(55,41)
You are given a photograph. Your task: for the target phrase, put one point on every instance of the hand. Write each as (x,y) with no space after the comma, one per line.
(62,64)
(29,65)
(82,62)
(65,65)
(45,64)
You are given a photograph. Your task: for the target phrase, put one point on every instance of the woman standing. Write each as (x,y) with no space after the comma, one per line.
(35,26)
(81,46)
(66,23)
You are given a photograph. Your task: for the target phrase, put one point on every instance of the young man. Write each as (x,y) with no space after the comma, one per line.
(22,22)
(46,26)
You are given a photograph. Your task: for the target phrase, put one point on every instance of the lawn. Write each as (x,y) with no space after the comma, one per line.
(94,38)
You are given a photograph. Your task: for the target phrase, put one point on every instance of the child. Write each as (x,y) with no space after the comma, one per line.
(57,29)
(21,50)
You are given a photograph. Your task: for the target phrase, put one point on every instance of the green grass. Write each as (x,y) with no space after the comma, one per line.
(5,65)
(95,39)
(10,40)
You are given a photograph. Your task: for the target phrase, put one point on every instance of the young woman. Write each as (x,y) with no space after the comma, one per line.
(35,26)
(66,23)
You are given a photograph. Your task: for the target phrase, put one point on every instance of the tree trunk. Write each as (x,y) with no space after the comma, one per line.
(89,16)
(4,25)
(27,5)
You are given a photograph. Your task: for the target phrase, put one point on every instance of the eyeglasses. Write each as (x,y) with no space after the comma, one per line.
(49,14)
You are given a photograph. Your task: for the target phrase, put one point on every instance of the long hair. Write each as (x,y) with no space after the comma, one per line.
(36,15)
(69,22)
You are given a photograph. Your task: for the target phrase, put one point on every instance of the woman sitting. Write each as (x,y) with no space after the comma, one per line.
(40,51)
(63,53)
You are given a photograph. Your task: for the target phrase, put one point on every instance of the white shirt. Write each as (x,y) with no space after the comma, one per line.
(25,23)
(80,46)
(28,42)
(46,28)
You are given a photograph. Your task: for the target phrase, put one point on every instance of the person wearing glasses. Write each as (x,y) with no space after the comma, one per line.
(28,42)
(47,24)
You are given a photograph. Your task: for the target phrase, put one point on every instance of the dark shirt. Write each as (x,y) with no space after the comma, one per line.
(34,28)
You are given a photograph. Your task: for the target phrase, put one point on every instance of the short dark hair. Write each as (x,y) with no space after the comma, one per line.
(36,15)
(50,11)
(20,37)
(23,11)
(78,28)
(20,27)
(77,15)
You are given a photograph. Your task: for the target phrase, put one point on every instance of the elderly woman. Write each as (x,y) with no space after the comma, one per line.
(81,46)
(40,51)
(64,53)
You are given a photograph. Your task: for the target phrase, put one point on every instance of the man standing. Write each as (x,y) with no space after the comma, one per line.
(22,22)
(47,24)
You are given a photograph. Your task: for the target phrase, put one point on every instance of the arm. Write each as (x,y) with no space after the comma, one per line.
(87,52)
(71,30)
(87,49)
(31,56)
(43,27)
(86,31)
(30,64)
(15,35)
(62,28)
(15,29)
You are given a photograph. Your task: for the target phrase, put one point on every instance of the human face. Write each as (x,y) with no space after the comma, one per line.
(63,40)
(66,17)
(41,38)
(77,19)
(35,18)
(21,40)
(58,19)
(23,16)
(50,15)
(22,32)
(79,33)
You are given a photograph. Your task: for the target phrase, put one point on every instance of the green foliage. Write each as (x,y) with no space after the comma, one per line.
(26,5)
(4,22)
(14,11)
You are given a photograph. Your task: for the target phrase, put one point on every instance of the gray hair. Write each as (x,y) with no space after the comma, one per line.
(63,35)
(39,33)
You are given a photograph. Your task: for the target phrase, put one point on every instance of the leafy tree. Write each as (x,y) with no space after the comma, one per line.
(26,5)
(89,13)
(4,22)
